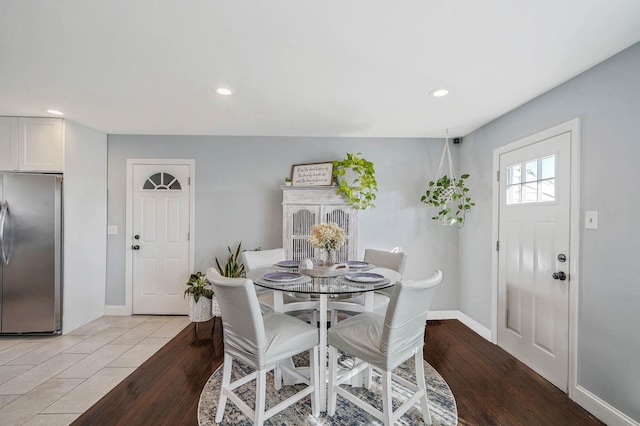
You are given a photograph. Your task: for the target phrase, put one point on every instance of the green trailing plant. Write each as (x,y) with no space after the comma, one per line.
(198,286)
(232,268)
(361,191)
(451,198)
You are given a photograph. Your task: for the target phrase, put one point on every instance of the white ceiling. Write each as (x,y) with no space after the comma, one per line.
(298,67)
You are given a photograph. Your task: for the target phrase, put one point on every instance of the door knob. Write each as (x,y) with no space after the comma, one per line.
(559,276)
(136,247)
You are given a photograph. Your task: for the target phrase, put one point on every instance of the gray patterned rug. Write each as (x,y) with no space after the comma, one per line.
(441,401)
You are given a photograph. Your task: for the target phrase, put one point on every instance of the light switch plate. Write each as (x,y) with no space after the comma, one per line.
(112,229)
(591,219)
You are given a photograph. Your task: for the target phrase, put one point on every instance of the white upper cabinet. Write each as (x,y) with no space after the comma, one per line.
(31,144)
(40,144)
(8,143)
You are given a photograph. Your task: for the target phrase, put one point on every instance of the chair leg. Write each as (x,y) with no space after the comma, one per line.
(226,380)
(261,387)
(277,377)
(387,404)
(368,373)
(315,382)
(424,401)
(333,380)
(334,316)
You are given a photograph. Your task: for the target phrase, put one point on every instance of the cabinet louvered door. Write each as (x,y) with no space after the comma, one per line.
(300,221)
(345,218)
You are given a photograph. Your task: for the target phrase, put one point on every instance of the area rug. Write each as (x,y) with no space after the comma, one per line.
(441,401)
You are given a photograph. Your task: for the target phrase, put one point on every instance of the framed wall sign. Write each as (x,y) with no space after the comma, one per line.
(314,174)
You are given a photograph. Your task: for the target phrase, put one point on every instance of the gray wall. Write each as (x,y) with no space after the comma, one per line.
(238,198)
(607,100)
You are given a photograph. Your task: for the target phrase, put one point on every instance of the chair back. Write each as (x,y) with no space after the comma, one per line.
(386,259)
(212,273)
(244,334)
(253,259)
(407,314)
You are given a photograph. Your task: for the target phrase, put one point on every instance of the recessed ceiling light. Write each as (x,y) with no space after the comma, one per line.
(439,93)
(223,91)
(55,112)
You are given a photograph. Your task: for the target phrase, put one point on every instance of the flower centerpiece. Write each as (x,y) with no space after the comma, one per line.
(327,237)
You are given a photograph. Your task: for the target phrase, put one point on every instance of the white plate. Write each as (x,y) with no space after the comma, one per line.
(288,263)
(281,277)
(355,264)
(364,277)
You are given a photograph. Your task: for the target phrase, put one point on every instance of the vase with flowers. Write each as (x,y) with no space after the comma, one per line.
(328,237)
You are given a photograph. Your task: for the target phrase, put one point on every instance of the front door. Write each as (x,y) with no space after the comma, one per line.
(160,239)
(534,237)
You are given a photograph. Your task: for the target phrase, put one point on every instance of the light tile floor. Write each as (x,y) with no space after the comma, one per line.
(53,380)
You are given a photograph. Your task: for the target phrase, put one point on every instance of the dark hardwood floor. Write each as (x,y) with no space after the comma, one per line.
(490,386)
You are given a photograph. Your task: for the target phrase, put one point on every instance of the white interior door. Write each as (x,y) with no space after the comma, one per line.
(160,238)
(534,241)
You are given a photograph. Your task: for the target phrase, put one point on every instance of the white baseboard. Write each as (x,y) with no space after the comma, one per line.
(474,325)
(601,409)
(120,310)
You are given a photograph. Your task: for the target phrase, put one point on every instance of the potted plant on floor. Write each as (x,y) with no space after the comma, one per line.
(200,296)
(356,179)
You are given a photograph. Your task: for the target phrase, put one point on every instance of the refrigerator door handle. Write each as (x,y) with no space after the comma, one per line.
(4,242)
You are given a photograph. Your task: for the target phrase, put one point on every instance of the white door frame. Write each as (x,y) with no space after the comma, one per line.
(128,273)
(573,127)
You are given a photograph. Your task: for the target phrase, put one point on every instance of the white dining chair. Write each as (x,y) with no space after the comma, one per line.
(253,259)
(386,259)
(385,342)
(389,264)
(270,300)
(396,261)
(261,342)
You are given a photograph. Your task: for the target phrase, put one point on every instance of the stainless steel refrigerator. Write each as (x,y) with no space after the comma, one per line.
(30,253)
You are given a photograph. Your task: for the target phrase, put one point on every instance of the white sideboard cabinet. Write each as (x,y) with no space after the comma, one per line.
(31,144)
(303,207)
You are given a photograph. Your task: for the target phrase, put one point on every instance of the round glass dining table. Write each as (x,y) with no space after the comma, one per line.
(322,287)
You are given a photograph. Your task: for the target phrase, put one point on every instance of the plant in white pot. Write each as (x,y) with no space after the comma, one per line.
(356,178)
(200,296)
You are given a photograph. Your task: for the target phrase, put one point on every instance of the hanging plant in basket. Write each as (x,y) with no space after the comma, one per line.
(448,194)
(450,197)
